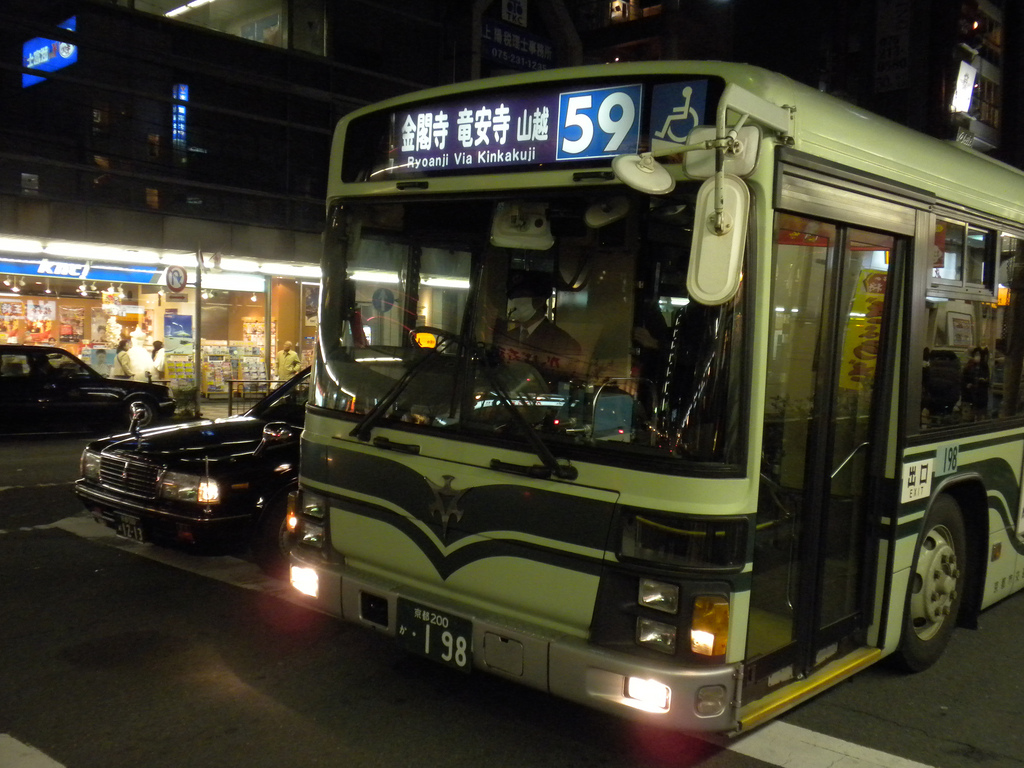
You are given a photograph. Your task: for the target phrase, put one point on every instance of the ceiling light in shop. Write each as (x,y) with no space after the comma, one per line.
(290,270)
(20,245)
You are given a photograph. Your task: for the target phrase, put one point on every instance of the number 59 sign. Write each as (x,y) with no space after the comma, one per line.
(599,122)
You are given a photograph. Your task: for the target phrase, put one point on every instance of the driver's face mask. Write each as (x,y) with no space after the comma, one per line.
(520,309)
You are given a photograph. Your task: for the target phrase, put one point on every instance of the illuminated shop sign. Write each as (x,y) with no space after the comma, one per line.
(179,123)
(515,48)
(45,55)
(534,128)
(80,271)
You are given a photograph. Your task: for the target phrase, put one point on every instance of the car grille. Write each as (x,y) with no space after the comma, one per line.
(135,477)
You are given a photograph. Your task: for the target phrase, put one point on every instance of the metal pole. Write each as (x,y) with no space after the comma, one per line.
(268,359)
(198,331)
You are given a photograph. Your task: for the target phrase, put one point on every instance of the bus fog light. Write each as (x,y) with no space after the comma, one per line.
(709,628)
(711,701)
(312,534)
(648,694)
(656,635)
(305,580)
(659,596)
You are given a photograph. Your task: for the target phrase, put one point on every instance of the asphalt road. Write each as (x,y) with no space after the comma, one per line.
(114,654)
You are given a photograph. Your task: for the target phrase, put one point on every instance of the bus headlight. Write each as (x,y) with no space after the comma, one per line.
(709,627)
(659,595)
(656,635)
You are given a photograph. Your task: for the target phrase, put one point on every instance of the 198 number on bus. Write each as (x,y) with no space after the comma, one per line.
(437,635)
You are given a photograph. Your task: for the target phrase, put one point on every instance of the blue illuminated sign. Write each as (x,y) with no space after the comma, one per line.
(179,123)
(80,271)
(45,55)
(599,123)
(676,109)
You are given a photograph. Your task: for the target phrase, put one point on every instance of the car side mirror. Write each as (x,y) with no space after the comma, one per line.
(274,433)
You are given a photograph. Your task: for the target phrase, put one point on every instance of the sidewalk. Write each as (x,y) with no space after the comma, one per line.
(215,409)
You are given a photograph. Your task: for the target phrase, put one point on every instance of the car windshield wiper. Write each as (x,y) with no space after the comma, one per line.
(551,465)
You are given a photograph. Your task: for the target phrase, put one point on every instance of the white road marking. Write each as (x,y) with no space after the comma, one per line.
(14,754)
(790,746)
(224,568)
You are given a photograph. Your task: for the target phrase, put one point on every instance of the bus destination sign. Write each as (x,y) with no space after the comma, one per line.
(538,127)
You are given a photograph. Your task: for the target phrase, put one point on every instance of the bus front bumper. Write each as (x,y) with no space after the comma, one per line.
(664,694)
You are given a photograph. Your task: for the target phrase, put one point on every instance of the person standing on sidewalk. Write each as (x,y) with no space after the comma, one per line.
(287,362)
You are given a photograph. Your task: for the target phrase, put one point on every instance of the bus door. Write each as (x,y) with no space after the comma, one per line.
(825,425)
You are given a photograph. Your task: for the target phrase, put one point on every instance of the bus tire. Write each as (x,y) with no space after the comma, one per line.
(936,586)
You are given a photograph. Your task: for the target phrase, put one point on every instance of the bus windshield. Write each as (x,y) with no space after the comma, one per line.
(558,318)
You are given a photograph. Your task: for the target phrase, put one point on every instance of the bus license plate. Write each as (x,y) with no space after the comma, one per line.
(129,527)
(435,634)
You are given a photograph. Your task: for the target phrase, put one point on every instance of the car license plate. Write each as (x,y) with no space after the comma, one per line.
(129,527)
(435,634)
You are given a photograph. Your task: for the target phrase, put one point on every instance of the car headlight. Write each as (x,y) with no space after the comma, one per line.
(179,486)
(89,465)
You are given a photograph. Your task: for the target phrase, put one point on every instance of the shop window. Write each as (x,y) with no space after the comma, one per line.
(263,21)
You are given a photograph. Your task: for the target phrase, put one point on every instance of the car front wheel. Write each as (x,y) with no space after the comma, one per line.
(270,537)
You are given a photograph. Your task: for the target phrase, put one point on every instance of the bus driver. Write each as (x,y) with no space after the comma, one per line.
(526,333)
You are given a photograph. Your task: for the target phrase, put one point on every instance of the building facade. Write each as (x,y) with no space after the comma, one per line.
(163,163)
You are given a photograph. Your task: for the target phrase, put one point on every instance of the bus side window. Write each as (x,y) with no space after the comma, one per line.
(972,361)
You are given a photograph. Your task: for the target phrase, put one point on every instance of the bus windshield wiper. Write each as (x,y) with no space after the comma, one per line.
(551,465)
(363,429)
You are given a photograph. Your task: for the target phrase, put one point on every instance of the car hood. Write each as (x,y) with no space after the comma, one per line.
(193,443)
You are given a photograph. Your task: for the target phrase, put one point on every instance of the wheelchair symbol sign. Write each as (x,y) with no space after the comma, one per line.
(176,279)
(676,109)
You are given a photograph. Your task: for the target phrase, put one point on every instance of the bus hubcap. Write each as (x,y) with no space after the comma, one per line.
(935,583)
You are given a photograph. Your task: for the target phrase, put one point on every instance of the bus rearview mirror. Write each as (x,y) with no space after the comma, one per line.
(716,254)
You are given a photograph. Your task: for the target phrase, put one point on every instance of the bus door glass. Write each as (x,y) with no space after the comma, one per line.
(830,288)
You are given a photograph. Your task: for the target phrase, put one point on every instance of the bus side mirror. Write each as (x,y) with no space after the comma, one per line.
(716,254)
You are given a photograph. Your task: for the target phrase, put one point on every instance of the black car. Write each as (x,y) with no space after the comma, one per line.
(49,389)
(205,484)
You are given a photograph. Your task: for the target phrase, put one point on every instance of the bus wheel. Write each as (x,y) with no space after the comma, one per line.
(936,586)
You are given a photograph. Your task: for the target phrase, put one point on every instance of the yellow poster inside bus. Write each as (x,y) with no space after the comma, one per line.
(863,331)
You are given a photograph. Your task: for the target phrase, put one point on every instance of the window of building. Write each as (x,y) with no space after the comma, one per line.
(263,21)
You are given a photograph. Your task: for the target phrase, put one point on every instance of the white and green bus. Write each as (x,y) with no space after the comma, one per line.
(677,389)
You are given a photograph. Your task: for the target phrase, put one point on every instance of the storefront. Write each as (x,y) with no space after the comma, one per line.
(209,312)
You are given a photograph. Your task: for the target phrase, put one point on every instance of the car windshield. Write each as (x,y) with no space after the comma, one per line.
(288,403)
(560,319)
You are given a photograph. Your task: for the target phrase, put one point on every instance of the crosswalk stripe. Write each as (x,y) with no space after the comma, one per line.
(790,746)
(14,754)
